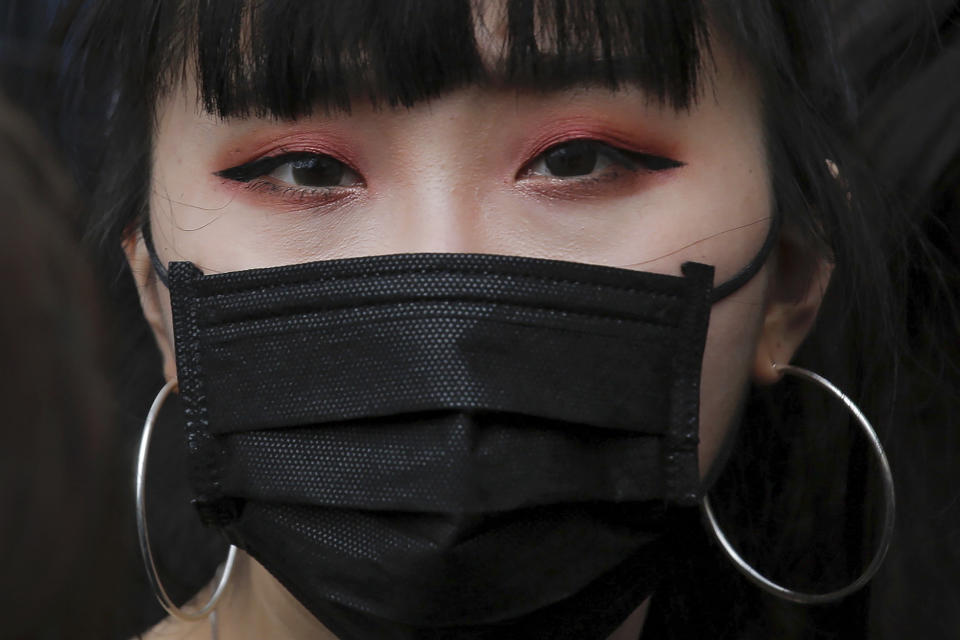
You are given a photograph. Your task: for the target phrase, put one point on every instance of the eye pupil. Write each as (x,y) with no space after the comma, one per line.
(317,172)
(571,159)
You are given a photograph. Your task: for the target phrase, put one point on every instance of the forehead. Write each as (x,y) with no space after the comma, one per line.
(287,58)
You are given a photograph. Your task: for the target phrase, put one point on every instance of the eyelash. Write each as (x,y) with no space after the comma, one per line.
(255,174)
(633,161)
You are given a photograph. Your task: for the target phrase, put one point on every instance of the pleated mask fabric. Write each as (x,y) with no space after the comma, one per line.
(446,445)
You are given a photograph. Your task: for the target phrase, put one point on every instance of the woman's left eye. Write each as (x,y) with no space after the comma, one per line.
(298,170)
(585,158)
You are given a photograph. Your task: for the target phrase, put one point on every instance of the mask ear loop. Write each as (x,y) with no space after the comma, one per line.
(743,276)
(154,258)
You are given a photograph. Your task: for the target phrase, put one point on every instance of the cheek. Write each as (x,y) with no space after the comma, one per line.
(735,325)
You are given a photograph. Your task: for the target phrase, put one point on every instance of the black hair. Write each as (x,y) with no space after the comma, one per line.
(285,58)
(904,57)
(58,489)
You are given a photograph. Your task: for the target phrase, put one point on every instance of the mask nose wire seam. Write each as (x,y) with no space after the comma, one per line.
(741,278)
(719,292)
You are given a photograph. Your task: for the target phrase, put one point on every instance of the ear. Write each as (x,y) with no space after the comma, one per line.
(154,298)
(798,282)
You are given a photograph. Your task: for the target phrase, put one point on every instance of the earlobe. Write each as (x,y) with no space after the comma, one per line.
(154,298)
(796,292)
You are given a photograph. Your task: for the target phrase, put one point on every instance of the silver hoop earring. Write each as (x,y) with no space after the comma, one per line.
(148,563)
(888,495)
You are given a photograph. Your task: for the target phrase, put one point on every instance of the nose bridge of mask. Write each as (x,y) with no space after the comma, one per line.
(719,292)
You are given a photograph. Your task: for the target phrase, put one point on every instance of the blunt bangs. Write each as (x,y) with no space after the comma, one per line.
(287,58)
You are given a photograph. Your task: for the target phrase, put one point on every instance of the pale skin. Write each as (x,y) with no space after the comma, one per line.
(461,174)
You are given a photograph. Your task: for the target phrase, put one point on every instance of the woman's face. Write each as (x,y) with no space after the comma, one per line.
(583,174)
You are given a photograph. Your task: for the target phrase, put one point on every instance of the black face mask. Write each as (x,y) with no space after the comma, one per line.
(447,445)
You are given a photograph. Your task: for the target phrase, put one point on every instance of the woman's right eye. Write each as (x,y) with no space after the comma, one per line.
(297,170)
